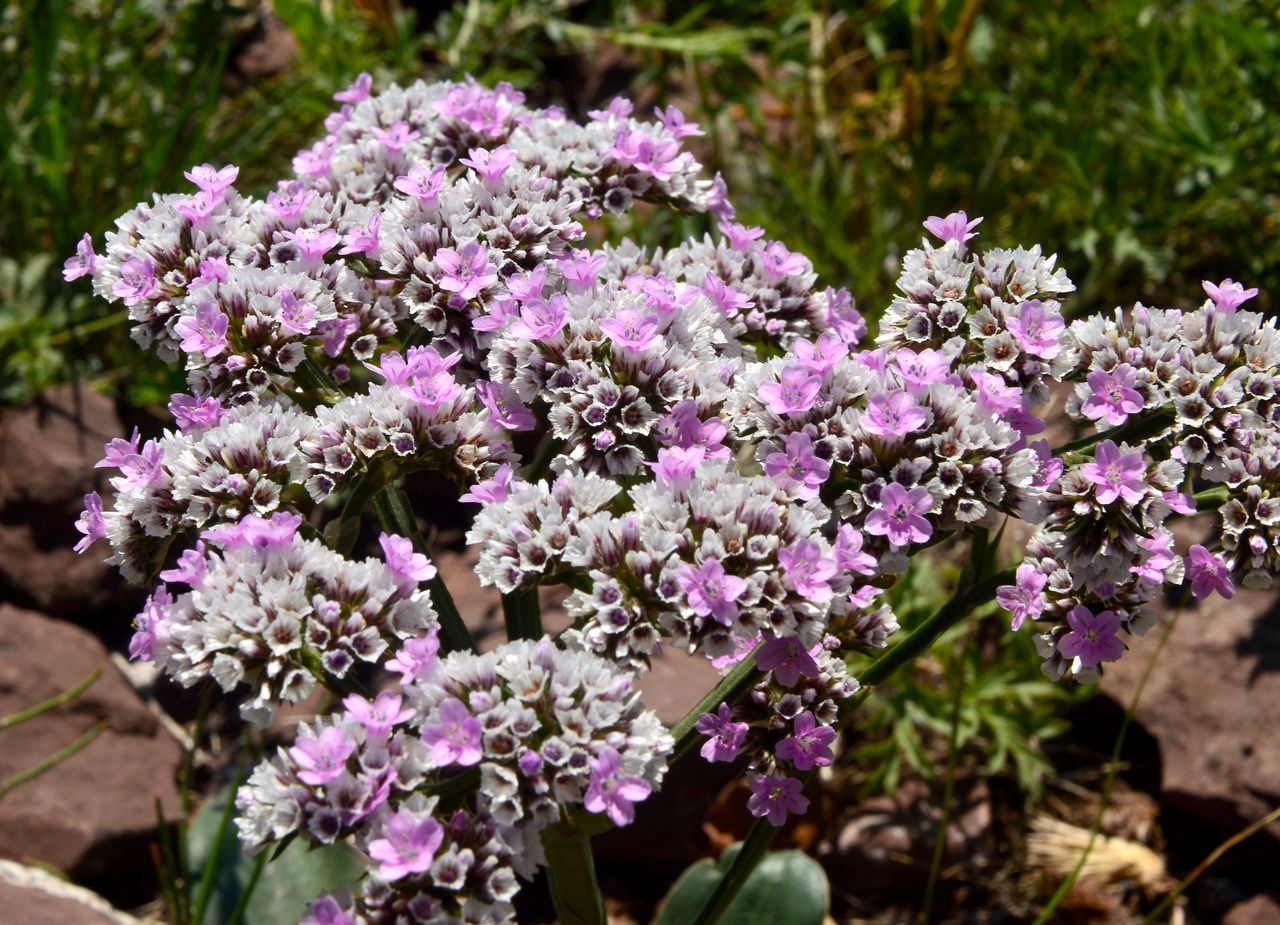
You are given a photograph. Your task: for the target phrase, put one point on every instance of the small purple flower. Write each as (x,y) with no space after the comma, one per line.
(422,183)
(900,515)
(795,393)
(151,626)
(922,369)
(1208,573)
(1116,474)
(843,316)
(211,180)
(91,522)
(290,201)
(822,354)
(1113,395)
(807,570)
(676,465)
(1036,330)
(378,716)
(313,243)
(494,491)
(417,657)
(892,414)
(199,208)
(778,262)
(797,467)
(212,270)
(1160,556)
(632,330)
(611,791)
(257,532)
(955,227)
(83,263)
(327,911)
(465,273)
(505,407)
(409,848)
(192,414)
(409,567)
(137,280)
(1025,597)
(730,301)
(787,658)
(491,165)
(205,332)
(1228,295)
(1049,467)
(364,239)
(432,392)
(317,160)
(684,428)
(396,138)
(774,796)
(455,738)
(673,120)
(658,157)
(359,90)
(191,568)
(1092,638)
(296,316)
(848,552)
(581,269)
(994,394)
(711,592)
(724,735)
(741,238)
(809,743)
(321,759)
(541,320)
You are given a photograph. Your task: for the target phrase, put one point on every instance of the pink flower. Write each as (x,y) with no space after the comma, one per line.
(504,405)
(710,592)
(191,568)
(312,243)
(465,273)
(83,263)
(358,92)
(1036,330)
(797,467)
(676,465)
(611,791)
(684,428)
(151,627)
(795,393)
(205,333)
(724,736)
(455,737)
(774,796)
(823,354)
(491,165)
(848,552)
(211,180)
(994,394)
(1228,295)
(631,330)
(955,227)
(658,157)
(741,238)
(892,414)
(1208,573)
(778,262)
(920,370)
(1092,638)
(493,491)
(900,516)
(137,280)
(410,568)
(1114,396)
(787,658)
(1049,467)
(290,202)
(296,316)
(257,532)
(843,316)
(541,320)
(432,392)
(193,414)
(807,570)
(417,657)
(1025,597)
(91,522)
(199,208)
(379,715)
(410,845)
(1160,556)
(212,270)
(396,138)
(673,120)
(327,911)
(1116,475)
(730,301)
(809,744)
(321,759)
(317,160)
(364,239)
(422,183)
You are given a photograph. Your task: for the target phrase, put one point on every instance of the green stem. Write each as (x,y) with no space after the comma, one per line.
(1140,428)
(204,892)
(23,777)
(744,862)
(242,902)
(317,382)
(522,614)
(948,793)
(342,534)
(22,716)
(731,688)
(396,516)
(571,874)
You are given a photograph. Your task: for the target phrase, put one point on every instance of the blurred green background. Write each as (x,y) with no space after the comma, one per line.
(1139,140)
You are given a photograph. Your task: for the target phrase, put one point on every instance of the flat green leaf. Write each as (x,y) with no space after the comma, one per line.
(786,888)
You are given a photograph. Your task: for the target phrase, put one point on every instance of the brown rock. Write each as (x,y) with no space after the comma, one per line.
(1213,705)
(1261,910)
(95,813)
(47,453)
(30,896)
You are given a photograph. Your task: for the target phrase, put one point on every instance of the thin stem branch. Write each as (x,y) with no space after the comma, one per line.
(22,777)
(30,713)
(730,688)
(753,849)
(522,614)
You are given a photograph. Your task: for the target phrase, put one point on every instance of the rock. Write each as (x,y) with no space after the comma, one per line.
(886,846)
(1213,706)
(31,896)
(47,453)
(93,815)
(1261,910)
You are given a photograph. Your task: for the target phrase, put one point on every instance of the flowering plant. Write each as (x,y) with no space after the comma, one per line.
(695,442)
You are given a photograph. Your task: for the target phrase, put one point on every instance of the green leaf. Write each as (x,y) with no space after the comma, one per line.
(288,883)
(786,888)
